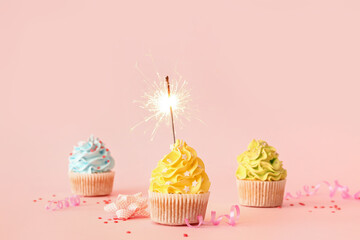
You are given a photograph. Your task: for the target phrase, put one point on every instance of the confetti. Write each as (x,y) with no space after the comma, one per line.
(233,217)
(185,235)
(344,190)
(72,201)
(99,217)
(291,204)
(302,204)
(105,222)
(128,232)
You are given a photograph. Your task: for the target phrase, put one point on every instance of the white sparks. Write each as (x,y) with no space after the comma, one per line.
(194,183)
(157,102)
(165,170)
(187,173)
(186,189)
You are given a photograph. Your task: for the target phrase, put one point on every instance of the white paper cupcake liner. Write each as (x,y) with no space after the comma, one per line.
(173,209)
(92,184)
(261,193)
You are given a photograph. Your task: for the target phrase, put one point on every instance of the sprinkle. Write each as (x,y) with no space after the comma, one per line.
(333,211)
(100,141)
(84,201)
(97,202)
(115,221)
(70,154)
(34,200)
(291,204)
(128,232)
(105,222)
(279,207)
(99,217)
(92,150)
(338,208)
(40,198)
(98,167)
(302,204)
(54,195)
(104,156)
(335,206)
(109,219)
(315,206)
(332,201)
(107,149)
(185,235)
(310,211)
(124,219)
(331,207)
(322,206)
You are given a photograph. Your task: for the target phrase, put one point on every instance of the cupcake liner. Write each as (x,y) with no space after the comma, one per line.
(261,193)
(173,209)
(92,184)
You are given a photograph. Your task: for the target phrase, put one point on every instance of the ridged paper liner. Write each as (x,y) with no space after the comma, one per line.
(261,193)
(92,184)
(173,209)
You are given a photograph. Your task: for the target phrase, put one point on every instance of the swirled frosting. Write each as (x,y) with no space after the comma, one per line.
(260,162)
(90,157)
(181,171)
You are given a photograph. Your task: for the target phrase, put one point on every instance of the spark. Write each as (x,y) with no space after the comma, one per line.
(157,102)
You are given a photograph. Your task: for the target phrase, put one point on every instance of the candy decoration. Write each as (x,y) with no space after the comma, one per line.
(72,201)
(233,217)
(344,190)
(128,206)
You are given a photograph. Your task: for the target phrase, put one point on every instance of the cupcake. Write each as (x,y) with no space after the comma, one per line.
(260,176)
(179,187)
(90,165)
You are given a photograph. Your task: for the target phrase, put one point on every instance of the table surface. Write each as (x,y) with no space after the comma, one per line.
(317,216)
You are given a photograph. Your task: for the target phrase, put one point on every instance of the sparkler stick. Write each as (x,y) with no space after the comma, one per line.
(171,111)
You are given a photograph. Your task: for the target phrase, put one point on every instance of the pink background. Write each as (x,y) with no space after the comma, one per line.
(284,71)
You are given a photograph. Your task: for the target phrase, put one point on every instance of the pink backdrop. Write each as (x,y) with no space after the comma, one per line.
(283,71)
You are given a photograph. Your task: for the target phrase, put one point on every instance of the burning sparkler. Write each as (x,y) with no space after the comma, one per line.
(166,103)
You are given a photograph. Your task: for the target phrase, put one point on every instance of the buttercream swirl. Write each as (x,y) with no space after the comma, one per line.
(260,162)
(181,172)
(90,157)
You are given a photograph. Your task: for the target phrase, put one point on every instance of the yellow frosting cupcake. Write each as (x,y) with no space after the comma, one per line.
(180,171)
(179,187)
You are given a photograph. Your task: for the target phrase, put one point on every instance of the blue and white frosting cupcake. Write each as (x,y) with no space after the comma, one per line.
(90,157)
(90,169)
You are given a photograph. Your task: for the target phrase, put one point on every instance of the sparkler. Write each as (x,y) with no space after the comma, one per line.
(171,111)
(166,103)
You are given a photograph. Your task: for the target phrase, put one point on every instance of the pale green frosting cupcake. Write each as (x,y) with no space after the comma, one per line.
(260,162)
